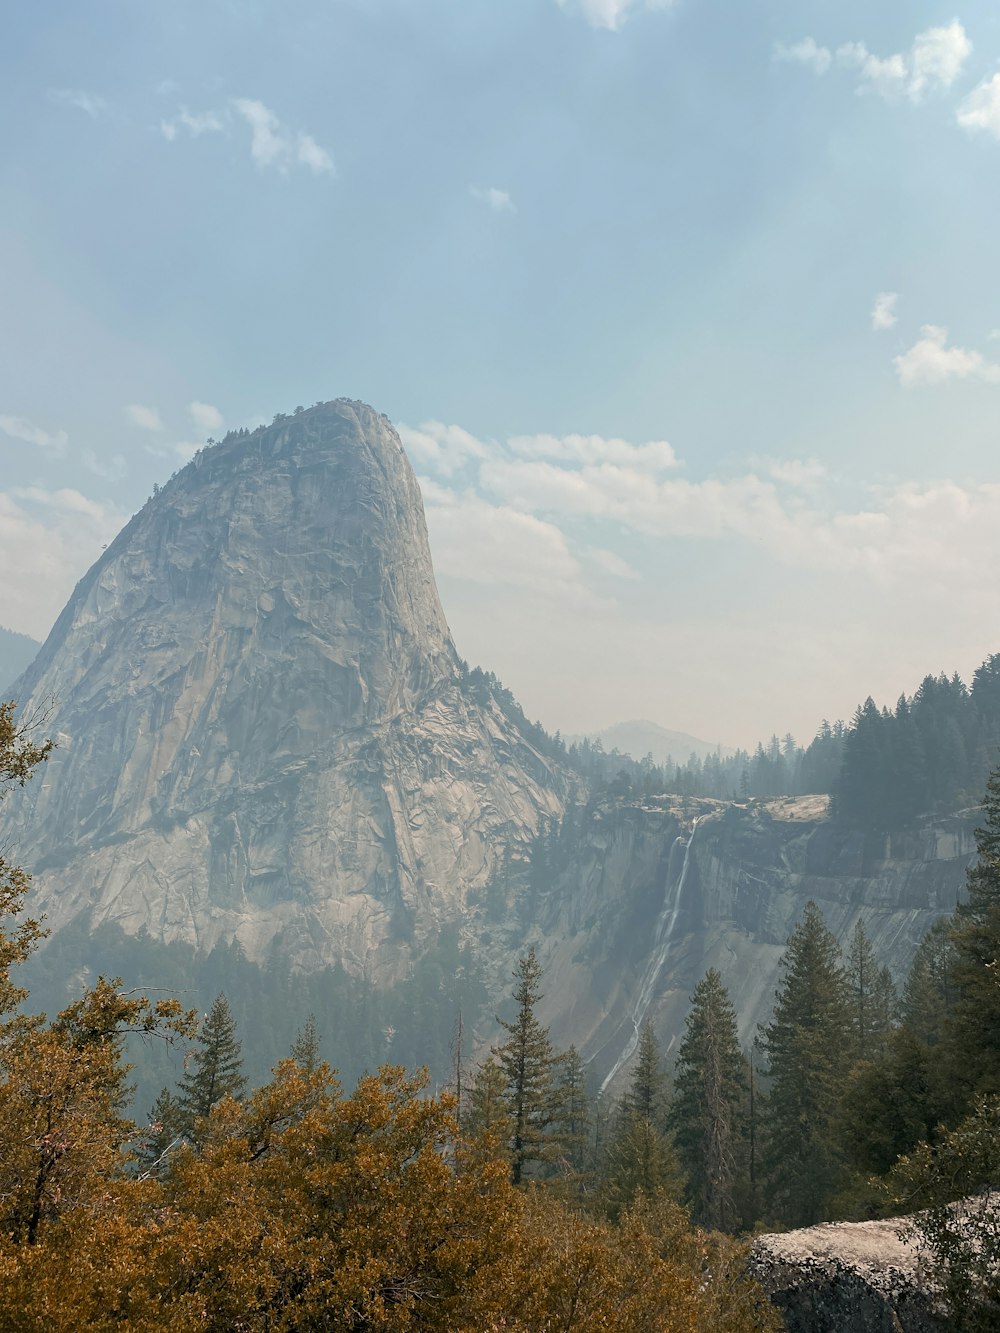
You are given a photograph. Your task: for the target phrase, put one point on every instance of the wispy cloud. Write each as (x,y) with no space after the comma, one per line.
(206,418)
(46,538)
(79,100)
(932,64)
(20,428)
(498,200)
(271,145)
(806,52)
(109,469)
(611,14)
(787,508)
(884,311)
(932,361)
(981,109)
(146,418)
(206,122)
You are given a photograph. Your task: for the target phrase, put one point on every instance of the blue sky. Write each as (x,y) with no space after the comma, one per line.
(689,316)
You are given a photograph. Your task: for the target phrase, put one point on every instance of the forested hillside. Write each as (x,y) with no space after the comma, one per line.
(516,1198)
(885,768)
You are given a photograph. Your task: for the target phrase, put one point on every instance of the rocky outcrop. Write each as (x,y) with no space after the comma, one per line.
(849,1277)
(263,731)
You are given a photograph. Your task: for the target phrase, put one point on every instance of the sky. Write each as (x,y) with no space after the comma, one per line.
(688,315)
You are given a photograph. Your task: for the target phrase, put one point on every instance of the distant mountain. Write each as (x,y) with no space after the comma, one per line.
(642,737)
(17,652)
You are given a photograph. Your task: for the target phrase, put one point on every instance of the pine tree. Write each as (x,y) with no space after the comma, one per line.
(163,1131)
(974,1028)
(873,997)
(305,1047)
(808,1046)
(529,1064)
(709,1111)
(640,1160)
(487,1111)
(575,1117)
(928,996)
(217,1067)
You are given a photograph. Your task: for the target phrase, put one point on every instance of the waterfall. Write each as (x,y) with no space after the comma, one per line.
(662,938)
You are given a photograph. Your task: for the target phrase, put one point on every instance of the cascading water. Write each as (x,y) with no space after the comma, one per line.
(665,924)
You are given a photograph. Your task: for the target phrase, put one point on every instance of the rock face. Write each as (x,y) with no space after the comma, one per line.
(262,729)
(265,734)
(848,1277)
(627,932)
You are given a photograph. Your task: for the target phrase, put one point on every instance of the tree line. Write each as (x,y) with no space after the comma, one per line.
(884,769)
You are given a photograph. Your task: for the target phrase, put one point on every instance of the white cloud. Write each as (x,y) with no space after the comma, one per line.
(20,428)
(206,418)
(271,145)
(498,200)
(446,449)
(801,474)
(47,539)
(884,310)
(196,124)
(933,63)
(805,52)
(146,418)
(612,563)
(932,361)
(937,58)
(783,507)
(80,100)
(111,469)
(656,456)
(497,546)
(981,109)
(611,14)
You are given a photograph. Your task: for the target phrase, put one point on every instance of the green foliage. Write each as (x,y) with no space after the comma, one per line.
(216,1068)
(530,1065)
(974,1022)
(808,1045)
(639,1159)
(709,1114)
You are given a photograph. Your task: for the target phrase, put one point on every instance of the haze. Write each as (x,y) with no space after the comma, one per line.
(686,315)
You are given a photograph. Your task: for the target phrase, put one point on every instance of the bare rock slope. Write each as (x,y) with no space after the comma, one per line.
(848,1277)
(262,729)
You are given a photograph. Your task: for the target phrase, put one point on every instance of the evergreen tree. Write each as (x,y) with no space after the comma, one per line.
(928,995)
(709,1111)
(575,1116)
(640,1159)
(873,996)
(974,1027)
(529,1066)
(217,1067)
(305,1047)
(487,1111)
(163,1131)
(808,1046)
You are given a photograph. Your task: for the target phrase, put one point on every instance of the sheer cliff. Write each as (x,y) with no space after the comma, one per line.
(262,729)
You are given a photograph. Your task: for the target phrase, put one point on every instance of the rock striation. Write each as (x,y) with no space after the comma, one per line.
(262,729)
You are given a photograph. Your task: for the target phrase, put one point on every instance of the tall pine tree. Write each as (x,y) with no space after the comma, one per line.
(529,1065)
(216,1068)
(808,1044)
(708,1115)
